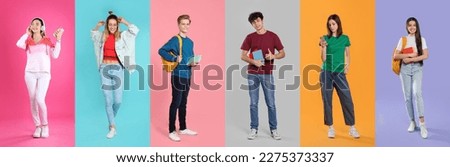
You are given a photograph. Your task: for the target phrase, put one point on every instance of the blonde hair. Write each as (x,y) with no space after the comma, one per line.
(106,31)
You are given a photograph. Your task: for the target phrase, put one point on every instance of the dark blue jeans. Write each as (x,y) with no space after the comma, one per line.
(334,80)
(180,92)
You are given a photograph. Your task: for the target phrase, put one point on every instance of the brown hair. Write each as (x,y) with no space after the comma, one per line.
(42,26)
(418,36)
(106,31)
(336,18)
(182,17)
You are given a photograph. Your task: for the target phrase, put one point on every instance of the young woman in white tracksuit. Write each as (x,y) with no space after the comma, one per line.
(39,48)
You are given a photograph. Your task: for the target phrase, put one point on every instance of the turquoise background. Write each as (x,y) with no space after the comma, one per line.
(133,118)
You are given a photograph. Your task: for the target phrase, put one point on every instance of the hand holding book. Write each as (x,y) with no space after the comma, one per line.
(193,61)
(258,55)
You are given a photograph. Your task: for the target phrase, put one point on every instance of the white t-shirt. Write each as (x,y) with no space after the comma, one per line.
(411,42)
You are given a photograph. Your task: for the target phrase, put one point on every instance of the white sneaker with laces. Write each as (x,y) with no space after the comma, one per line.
(275,135)
(174,136)
(353,132)
(37,132)
(112,132)
(331,132)
(45,131)
(412,126)
(188,132)
(423,130)
(253,134)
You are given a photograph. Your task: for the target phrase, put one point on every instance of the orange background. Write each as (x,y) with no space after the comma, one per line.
(358,22)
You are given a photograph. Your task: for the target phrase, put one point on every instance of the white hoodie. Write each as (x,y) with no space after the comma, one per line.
(38,54)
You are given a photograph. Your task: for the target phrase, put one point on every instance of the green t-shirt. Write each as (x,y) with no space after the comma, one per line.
(335,61)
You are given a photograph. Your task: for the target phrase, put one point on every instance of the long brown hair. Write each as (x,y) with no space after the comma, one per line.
(417,35)
(336,18)
(106,31)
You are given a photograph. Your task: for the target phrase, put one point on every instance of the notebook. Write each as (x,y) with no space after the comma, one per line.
(258,55)
(195,59)
(408,50)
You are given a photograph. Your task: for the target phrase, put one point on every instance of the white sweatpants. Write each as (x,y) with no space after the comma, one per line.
(37,84)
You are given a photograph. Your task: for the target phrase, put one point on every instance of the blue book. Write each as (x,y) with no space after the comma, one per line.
(258,55)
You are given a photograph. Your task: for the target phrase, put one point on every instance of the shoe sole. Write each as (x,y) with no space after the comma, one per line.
(252,138)
(188,134)
(276,138)
(175,140)
(355,137)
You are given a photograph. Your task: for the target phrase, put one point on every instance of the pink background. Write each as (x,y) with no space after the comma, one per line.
(205,108)
(16,124)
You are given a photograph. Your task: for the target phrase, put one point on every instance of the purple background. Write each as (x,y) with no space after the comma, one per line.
(391,115)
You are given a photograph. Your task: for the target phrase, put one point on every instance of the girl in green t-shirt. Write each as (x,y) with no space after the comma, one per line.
(335,57)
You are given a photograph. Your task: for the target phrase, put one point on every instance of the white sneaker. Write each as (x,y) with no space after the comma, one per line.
(331,132)
(412,126)
(275,135)
(37,132)
(253,134)
(423,130)
(45,131)
(174,136)
(353,132)
(188,132)
(112,132)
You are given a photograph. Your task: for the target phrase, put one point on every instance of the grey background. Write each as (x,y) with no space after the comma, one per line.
(282,18)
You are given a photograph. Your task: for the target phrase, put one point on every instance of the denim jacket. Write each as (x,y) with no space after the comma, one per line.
(125,47)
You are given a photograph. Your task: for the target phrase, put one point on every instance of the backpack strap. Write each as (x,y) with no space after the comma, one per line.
(180,43)
(403,42)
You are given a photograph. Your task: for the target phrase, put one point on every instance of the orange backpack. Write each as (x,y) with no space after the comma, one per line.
(397,64)
(169,66)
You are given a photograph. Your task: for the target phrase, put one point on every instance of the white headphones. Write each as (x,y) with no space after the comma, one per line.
(42,21)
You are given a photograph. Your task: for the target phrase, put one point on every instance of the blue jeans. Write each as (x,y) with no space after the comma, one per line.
(267,83)
(335,80)
(411,78)
(112,86)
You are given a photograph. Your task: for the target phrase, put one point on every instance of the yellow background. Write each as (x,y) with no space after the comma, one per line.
(358,22)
